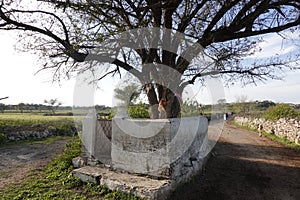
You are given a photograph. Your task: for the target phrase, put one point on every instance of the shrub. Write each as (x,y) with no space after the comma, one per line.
(280,111)
(65,129)
(139,111)
(51,129)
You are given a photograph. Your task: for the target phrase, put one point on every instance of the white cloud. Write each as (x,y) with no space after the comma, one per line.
(274,45)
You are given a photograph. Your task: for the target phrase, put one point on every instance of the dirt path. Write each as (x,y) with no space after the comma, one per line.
(245,166)
(17,161)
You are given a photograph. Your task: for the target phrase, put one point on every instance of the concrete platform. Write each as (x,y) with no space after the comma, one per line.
(140,186)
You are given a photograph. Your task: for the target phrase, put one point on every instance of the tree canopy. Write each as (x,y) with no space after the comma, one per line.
(66,33)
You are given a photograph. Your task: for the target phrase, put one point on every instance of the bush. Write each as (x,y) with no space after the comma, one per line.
(139,111)
(65,129)
(280,111)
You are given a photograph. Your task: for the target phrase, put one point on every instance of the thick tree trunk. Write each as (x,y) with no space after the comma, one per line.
(152,98)
(167,105)
(172,104)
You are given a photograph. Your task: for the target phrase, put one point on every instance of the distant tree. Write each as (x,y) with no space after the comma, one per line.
(221,105)
(222,101)
(52,105)
(101,107)
(2,107)
(21,107)
(263,105)
(241,104)
(191,108)
(128,94)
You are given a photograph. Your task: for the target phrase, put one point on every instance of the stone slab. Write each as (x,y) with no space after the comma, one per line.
(141,186)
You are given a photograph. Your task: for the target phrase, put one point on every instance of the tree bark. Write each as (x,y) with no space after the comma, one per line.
(167,105)
(152,98)
(172,108)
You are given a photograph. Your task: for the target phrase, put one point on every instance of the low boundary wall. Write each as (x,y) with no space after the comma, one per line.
(289,128)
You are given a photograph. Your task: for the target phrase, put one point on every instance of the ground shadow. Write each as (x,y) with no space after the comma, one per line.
(244,171)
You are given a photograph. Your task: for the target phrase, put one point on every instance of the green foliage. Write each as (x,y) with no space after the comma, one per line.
(57,182)
(62,165)
(140,110)
(111,115)
(64,128)
(280,111)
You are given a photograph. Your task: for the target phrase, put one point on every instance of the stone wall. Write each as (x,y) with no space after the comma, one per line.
(16,133)
(289,128)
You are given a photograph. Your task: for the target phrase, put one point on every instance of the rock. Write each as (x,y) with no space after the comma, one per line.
(11,138)
(78,162)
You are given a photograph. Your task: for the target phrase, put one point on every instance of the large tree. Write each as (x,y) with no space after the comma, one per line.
(68,32)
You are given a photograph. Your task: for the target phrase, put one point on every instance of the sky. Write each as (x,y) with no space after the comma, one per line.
(19,81)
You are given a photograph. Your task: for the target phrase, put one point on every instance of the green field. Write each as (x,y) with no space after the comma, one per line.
(28,119)
(60,125)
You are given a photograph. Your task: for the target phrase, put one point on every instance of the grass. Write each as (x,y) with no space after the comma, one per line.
(284,141)
(32,119)
(57,182)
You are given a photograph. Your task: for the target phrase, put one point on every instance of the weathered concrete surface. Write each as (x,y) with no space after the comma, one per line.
(168,148)
(140,186)
(171,150)
(96,140)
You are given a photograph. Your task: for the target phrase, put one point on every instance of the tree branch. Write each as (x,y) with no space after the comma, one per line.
(222,35)
(51,14)
(185,21)
(228,4)
(110,72)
